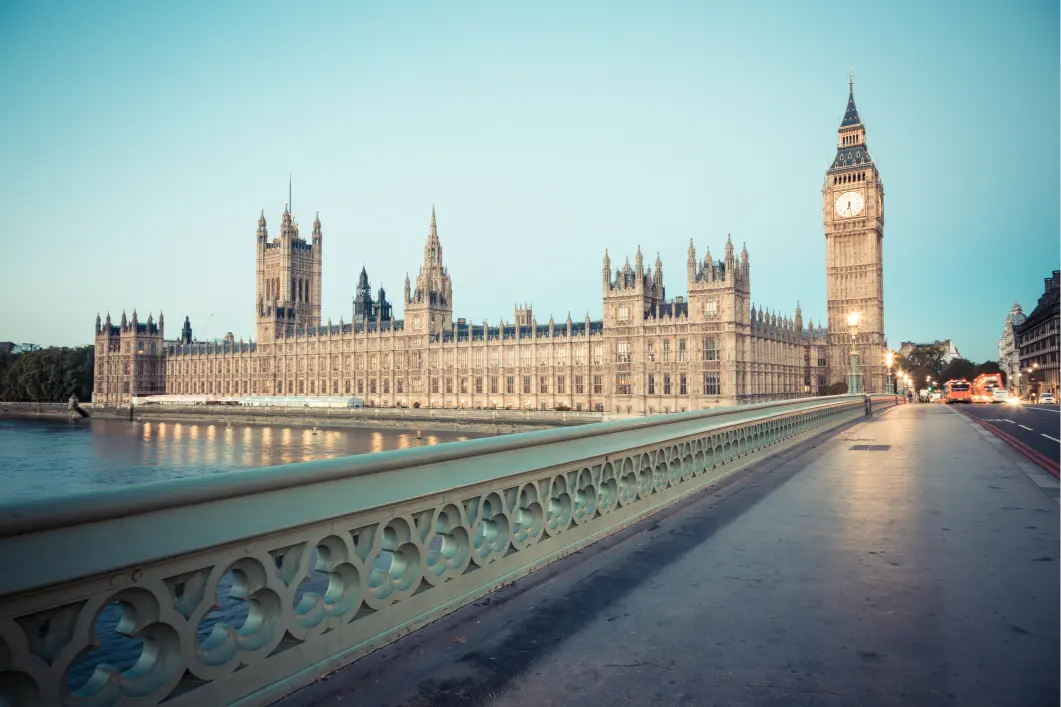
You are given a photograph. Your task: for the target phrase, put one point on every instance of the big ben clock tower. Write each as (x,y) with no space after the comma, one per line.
(853,212)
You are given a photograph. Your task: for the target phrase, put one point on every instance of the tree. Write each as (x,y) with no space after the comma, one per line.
(838,388)
(926,357)
(991,367)
(47,375)
(959,368)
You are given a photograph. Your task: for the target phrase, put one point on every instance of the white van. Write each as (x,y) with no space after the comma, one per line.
(999,395)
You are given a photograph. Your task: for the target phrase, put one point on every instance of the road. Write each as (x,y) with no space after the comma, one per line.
(904,561)
(1035,425)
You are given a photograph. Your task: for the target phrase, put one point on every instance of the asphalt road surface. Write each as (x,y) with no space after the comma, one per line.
(1035,425)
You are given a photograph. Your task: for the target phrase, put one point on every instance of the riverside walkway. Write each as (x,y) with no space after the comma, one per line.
(907,559)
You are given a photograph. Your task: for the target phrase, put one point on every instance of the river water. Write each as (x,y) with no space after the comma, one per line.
(51,459)
(43,458)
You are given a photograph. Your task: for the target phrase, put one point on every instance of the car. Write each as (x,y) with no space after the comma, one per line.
(999,395)
(1047,399)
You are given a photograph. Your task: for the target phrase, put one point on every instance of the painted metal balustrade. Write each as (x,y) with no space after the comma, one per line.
(241,587)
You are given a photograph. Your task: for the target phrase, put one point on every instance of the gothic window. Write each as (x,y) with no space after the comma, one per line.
(666,384)
(386,386)
(493,385)
(526,385)
(682,388)
(399,385)
(335,387)
(432,256)
(292,288)
(711,385)
(479,384)
(651,384)
(360,387)
(710,348)
(579,386)
(651,352)
(347,387)
(560,385)
(711,308)
(624,313)
(434,385)
(561,356)
(510,357)
(543,384)
(681,349)
(463,385)
(622,352)
(372,386)
(622,384)
(598,386)
(666,349)
(510,385)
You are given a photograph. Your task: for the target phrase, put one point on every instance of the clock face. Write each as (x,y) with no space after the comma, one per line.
(850,203)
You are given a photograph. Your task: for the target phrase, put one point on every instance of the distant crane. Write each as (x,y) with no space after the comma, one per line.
(206,328)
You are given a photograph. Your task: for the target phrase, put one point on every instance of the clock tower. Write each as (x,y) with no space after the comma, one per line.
(853,214)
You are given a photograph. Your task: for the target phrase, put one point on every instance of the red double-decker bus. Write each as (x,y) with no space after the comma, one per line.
(984,387)
(957,391)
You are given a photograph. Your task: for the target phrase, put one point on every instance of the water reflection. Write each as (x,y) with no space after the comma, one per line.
(44,458)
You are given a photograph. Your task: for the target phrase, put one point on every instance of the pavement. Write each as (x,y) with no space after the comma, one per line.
(1036,426)
(920,571)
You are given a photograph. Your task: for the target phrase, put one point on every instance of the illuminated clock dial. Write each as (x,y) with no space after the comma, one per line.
(850,203)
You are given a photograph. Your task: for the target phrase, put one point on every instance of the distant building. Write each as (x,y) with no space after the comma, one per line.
(648,354)
(13,348)
(950,351)
(1037,341)
(1008,354)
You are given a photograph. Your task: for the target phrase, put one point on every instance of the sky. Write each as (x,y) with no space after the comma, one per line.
(140,141)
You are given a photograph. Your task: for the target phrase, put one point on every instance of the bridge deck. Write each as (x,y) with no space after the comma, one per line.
(921,574)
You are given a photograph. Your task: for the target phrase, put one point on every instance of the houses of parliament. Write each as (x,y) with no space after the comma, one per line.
(648,354)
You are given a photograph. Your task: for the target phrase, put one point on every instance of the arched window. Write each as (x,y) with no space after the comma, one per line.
(292,288)
(308,298)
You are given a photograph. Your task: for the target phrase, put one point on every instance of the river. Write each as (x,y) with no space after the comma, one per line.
(42,459)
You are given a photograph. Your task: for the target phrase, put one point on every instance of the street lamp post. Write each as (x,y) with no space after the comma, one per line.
(889,358)
(854,381)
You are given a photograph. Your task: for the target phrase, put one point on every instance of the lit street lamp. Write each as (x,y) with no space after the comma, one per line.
(889,358)
(854,382)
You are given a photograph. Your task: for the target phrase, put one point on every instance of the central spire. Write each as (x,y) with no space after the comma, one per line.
(851,114)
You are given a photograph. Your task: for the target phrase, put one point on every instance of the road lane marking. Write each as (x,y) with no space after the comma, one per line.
(1053,438)
(1027,428)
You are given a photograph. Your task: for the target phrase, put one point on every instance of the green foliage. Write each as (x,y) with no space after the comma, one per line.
(958,368)
(990,367)
(48,375)
(561,407)
(929,358)
(838,388)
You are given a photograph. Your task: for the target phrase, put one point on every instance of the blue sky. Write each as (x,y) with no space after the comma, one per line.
(141,140)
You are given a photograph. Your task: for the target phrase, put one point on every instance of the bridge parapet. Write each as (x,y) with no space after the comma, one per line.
(246,585)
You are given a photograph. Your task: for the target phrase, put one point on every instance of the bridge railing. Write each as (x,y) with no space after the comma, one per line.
(244,586)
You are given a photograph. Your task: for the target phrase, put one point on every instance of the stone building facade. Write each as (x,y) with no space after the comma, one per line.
(853,211)
(1037,341)
(1008,353)
(648,354)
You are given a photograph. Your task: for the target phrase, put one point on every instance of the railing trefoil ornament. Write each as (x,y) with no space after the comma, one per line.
(244,586)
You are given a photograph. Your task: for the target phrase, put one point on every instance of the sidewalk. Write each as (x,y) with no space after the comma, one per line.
(841,573)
